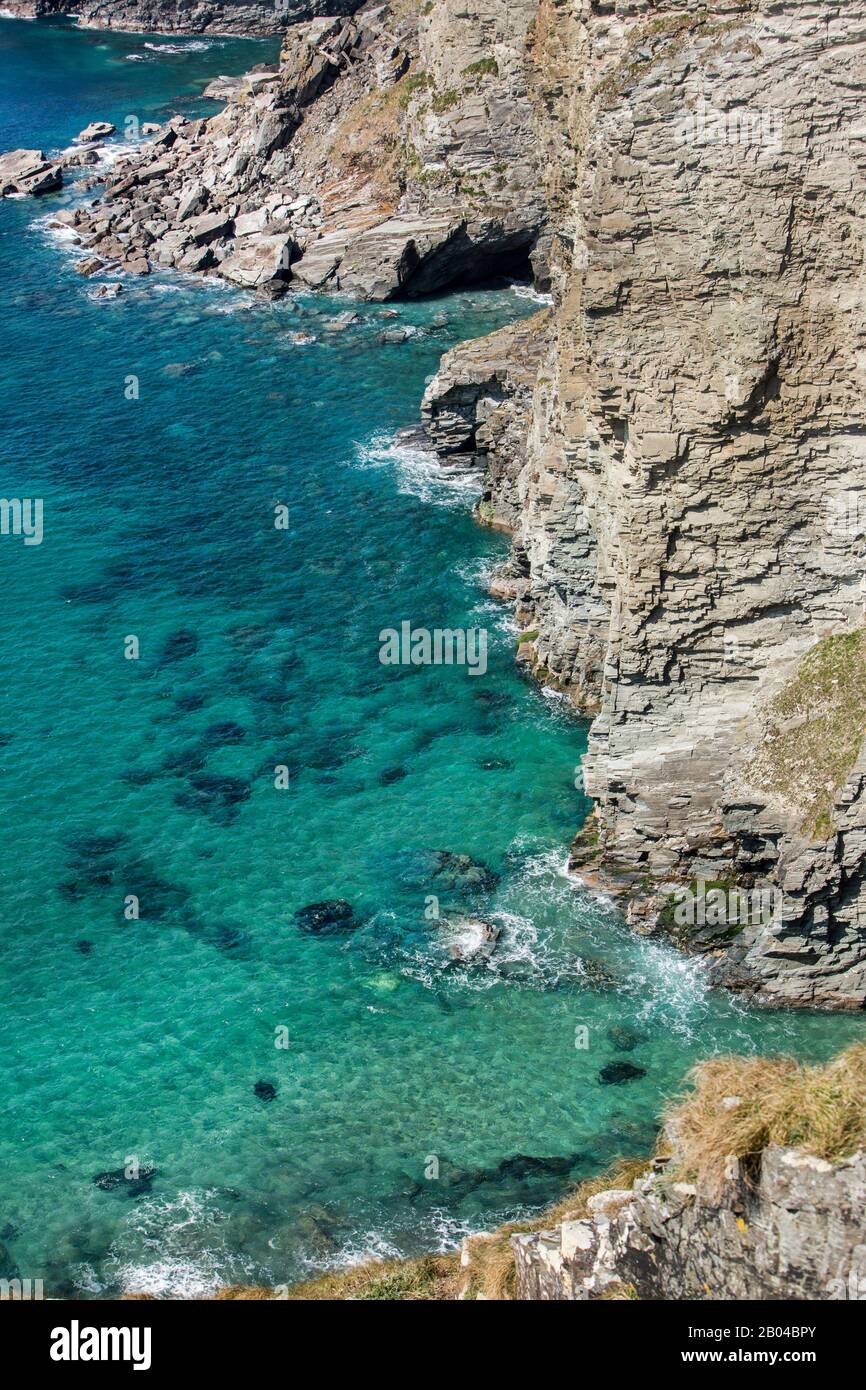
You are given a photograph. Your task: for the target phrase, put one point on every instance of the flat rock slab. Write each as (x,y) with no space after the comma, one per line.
(28,171)
(97,130)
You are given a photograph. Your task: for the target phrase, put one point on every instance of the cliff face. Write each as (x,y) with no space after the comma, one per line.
(245,17)
(677,445)
(387,154)
(691,532)
(797,1235)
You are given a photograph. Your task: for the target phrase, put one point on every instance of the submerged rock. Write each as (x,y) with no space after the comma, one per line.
(116,1179)
(326,918)
(265,1090)
(624,1039)
(178,645)
(615,1073)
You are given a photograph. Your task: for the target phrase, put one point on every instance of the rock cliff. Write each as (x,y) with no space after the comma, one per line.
(386,154)
(796,1235)
(690,539)
(677,445)
(245,17)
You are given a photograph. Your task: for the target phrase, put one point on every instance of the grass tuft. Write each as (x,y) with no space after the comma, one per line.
(741,1105)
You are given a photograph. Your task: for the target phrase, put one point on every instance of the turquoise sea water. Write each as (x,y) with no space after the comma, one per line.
(142,1040)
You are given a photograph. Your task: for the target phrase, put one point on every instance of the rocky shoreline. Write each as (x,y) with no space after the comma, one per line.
(675,445)
(242,18)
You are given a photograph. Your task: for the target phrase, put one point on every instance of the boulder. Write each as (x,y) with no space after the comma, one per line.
(326,918)
(321,260)
(28,171)
(467,939)
(193,201)
(209,227)
(259,261)
(97,130)
(381,261)
(616,1073)
(250,222)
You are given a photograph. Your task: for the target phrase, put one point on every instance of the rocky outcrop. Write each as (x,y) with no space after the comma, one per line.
(390,154)
(247,17)
(691,526)
(677,446)
(28,171)
(475,411)
(796,1234)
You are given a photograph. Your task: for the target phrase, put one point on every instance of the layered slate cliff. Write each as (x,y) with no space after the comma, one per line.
(386,155)
(689,548)
(245,17)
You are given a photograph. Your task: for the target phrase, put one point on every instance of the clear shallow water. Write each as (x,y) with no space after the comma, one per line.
(146,1038)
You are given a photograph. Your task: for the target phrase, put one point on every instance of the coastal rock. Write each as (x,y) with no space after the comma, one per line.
(327,918)
(28,171)
(266,259)
(244,17)
(133,1182)
(684,555)
(377,147)
(796,1234)
(616,1073)
(97,130)
(467,939)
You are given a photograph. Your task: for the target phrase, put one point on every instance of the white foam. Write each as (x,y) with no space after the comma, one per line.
(194,46)
(527,292)
(419,472)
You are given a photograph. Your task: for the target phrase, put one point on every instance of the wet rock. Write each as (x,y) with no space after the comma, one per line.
(616,1073)
(327,918)
(467,939)
(624,1039)
(116,1180)
(97,130)
(461,871)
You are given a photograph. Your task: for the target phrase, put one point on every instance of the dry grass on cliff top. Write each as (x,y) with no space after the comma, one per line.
(741,1105)
(814,731)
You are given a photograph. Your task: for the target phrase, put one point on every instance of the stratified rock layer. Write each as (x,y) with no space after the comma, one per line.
(392,152)
(796,1235)
(691,522)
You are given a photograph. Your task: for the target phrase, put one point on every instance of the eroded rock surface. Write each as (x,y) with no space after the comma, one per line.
(689,523)
(393,150)
(248,17)
(796,1235)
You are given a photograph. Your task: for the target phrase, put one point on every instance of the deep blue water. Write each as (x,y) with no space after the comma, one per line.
(142,1040)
